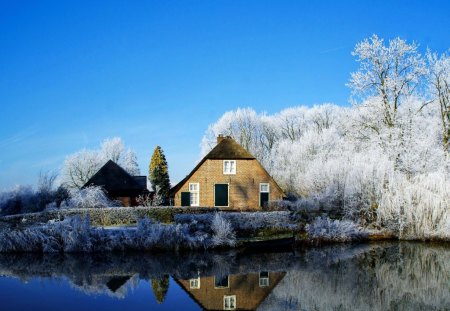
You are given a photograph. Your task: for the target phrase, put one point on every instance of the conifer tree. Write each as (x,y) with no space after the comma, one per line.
(160,287)
(158,174)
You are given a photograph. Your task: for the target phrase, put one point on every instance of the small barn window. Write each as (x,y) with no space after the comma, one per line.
(229,167)
(263,279)
(194,189)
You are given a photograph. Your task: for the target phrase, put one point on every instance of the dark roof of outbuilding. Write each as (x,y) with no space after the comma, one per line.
(113,178)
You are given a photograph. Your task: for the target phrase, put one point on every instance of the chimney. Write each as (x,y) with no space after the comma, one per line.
(220,138)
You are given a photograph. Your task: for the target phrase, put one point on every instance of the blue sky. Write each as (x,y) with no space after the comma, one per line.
(73,73)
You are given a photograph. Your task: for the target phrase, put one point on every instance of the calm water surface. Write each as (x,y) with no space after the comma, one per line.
(387,276)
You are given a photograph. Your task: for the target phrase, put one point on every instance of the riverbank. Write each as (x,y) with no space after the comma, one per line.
(174,229)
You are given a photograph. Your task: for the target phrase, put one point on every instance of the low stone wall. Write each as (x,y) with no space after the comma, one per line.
(107,216)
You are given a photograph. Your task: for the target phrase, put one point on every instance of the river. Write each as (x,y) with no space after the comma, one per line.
(373,276)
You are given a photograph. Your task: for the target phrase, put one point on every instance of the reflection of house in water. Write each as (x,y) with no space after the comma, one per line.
(116,283)
(232,292)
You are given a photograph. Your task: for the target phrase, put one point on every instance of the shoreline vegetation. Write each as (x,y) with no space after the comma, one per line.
(173,229)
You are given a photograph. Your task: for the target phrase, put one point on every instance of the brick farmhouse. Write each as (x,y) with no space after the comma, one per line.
(227,177)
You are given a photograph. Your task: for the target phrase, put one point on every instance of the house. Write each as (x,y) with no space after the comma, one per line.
(118,184)
(228,176)
(231,292)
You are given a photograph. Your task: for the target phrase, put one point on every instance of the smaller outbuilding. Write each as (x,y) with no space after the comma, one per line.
(119,184)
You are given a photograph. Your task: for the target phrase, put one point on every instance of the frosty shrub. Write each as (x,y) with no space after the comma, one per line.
(90,197)
(223,233)
(417,208)
(75,234)
(247,222)
(328,230)
(24,199)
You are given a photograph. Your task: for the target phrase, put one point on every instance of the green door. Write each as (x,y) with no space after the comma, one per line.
(264,199)
(221,195)
(185,199)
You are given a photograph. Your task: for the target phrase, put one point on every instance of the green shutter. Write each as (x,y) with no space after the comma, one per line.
(185,199)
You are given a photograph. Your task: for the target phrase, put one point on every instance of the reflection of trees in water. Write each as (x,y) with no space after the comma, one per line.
(391,276)
(400,276)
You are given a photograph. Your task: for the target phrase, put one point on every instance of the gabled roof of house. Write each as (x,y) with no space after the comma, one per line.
(229,149)
(226,149)
(113,178)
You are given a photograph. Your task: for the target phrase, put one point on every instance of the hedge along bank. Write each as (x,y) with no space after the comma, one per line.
(108,216)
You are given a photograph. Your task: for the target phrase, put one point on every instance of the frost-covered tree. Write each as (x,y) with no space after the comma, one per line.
(158,174)
(380,162)
(439,80)
(112,149)
(389,72)
(130,163)
(79,167)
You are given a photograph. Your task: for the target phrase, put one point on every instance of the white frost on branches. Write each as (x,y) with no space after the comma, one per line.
(223,233)
(79,167)
(380,161)
(90,197)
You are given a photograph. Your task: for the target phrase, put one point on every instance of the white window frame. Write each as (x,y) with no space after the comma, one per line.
(264,281)
(194,283)
(195,191)
(263,184)
(231,299)
(232,168)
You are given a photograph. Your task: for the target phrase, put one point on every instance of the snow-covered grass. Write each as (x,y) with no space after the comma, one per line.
(324,229)
(76,235)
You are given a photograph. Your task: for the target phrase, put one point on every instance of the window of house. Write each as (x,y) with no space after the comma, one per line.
(194,190)
(264,187)
(263,279)
(229,167)
(194,283)
(229,302)
(221,281)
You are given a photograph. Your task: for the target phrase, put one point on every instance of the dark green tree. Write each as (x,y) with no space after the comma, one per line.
(160,287)
(158,175)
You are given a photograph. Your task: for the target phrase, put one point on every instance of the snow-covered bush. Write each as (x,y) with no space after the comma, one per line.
(417,208)
(223,233)
(244,222)
(90,197)
(328,230)
(75,234)
(24,199)
(18,200)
